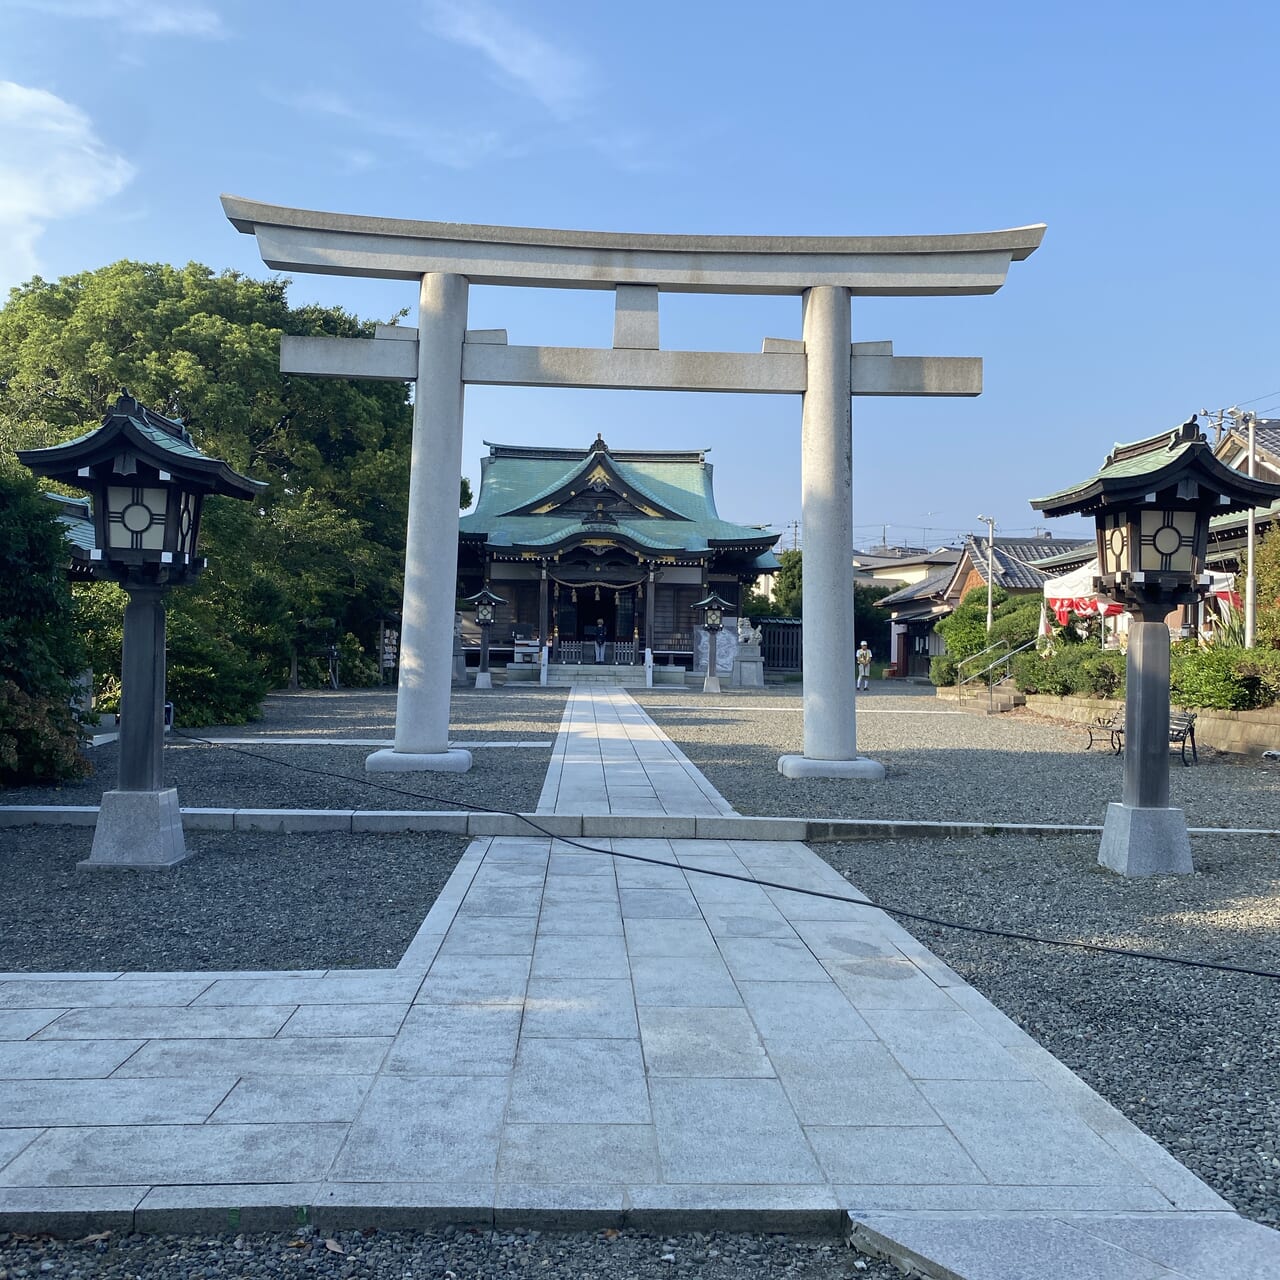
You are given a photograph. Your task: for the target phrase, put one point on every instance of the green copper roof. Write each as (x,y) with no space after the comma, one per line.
(665,501)
(1178,457)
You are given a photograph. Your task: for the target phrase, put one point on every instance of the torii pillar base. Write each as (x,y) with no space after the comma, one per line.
(455,760)
(803,767)
(1145,842)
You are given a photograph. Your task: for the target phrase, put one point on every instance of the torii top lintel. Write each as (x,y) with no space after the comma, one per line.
(401,249)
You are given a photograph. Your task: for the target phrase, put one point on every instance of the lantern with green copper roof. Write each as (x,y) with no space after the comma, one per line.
(148,482)
(1151,503)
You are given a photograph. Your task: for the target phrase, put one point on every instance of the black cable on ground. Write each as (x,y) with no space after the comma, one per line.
(897,912)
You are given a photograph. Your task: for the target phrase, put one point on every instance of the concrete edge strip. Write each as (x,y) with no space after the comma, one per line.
(601,826)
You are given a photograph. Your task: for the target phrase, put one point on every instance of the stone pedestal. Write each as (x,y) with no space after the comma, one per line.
(1145,842)
(140,829)
(455,760)
(484,680)
(748,668)
(805,767)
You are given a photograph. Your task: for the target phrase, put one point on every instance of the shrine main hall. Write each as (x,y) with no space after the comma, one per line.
(620,540)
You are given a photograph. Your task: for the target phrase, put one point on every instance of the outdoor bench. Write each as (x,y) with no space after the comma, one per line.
(1182,729)
(1104,727)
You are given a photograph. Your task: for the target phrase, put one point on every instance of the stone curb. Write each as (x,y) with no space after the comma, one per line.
(599,826)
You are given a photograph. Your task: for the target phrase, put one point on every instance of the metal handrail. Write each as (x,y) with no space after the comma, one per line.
(1004,660)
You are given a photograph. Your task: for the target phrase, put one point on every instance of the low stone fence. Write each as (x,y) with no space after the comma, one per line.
(1242,732)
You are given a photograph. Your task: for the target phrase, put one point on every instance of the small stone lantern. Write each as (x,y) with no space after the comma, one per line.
(1151,503)
(148,482)
(486,604)
(713,607)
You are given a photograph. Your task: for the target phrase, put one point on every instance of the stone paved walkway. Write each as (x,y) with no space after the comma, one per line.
(575,1037)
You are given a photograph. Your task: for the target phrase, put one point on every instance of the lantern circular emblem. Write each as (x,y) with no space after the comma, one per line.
(137,517)
(1117,542)
(1167,539)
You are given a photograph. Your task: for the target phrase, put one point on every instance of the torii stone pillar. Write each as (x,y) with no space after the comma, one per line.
(824,367)
(426,628)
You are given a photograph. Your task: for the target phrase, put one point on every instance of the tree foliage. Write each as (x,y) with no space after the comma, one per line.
(788,584)
(319,555)
(40,652)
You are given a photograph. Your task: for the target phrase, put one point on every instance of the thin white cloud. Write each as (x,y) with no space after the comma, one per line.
(52,165)
(554,76)
(453,148)
(147,17)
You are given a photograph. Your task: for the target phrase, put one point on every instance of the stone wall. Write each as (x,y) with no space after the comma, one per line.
(1241,732)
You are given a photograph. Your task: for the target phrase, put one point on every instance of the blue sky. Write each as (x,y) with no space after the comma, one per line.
(1143,134)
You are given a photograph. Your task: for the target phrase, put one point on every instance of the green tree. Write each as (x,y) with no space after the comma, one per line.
(788,584)
(40,652)
(326,538)
(1266,628)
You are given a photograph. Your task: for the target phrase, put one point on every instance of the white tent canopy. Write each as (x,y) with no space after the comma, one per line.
(1073,593)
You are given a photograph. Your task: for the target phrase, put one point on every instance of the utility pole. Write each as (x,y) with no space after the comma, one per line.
(1250,421)
(989,521)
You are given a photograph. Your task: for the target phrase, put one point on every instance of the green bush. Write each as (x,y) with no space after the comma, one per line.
(1071,670)
(208,679)
(39,738)
(943,670)
(1224,678)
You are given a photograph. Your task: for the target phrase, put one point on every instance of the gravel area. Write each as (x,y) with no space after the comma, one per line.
(1191,1056)
(941,763)
(333,777)
(448,1254)
(245,900)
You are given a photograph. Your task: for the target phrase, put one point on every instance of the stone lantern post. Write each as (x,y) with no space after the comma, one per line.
(485,602)
(713,608)
(148,483)
(1151,503)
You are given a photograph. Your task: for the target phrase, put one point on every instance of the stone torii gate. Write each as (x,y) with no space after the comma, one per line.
(824,368)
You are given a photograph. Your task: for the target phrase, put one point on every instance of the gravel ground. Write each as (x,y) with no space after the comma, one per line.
(245,900)
(941,763)
(322,777)
(448,1254)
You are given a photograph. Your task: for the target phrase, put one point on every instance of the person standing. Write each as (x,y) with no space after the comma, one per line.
(863,658)
(600,639)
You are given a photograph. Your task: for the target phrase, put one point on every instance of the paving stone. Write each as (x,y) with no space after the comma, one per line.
(152,1154)
(645,875)
(886,982)
(425,1129)
(658,904)
(581,918)
(287,1100)
(54,1103)
(1017,1131)
(893,1154)
(847,1082)
(668,1208)
(230,1209)
(567,1207)
(566,1154)
(76,993)
(18,1024)
(456,1040)
(579,1007)
(69,1211)
(770,960)
(502,900)
(570,891)
(475,980)
(569,956)
(683,980)
(1199,1244)
(971,1198)
(742,922)
(649,937)
(296,1056)
(701,1042)
(391,988)
(942,1044)
(729,1131)
(1005,1249)
(157,1022)
(14,1139)
(321,1020)
(803,1010)
(63,1060)
(579,1081)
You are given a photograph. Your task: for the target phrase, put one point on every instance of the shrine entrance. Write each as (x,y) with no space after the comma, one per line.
(823,366)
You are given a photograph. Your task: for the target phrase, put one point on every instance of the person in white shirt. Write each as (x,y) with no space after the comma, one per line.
(863,657)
